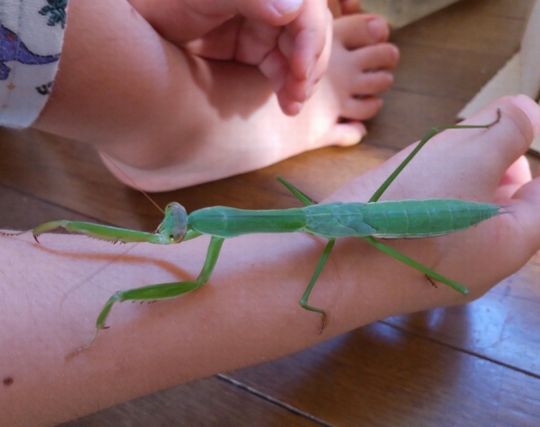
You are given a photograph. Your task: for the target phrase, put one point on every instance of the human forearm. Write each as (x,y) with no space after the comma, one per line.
(248,313)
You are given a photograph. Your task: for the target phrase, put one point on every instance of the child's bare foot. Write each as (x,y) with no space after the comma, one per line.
(243,128)
(360,70)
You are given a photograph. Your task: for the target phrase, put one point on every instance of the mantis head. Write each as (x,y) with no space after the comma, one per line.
(175,222)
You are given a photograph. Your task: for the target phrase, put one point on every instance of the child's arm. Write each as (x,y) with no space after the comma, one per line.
(248,312)
(288,40)
(119,81)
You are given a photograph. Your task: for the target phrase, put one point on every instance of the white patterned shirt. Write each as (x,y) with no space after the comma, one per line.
(31,37)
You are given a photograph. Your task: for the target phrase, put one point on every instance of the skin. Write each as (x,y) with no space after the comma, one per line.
(151,347)
(288,41)
(225,107)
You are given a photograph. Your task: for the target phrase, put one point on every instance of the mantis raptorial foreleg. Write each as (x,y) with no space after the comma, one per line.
(394,253)
(165,290)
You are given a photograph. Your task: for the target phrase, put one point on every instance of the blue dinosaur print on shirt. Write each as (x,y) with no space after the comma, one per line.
(13,49)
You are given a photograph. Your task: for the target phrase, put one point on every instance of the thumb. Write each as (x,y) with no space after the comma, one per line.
(526,211)
(527,199)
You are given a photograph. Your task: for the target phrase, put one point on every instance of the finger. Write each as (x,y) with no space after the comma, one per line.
(468,162)
(502,144)
(288,105)
(310,35)
(525,210)
(198,17)
(322,61)
(335,8)
(515,177)
(300,90)
(219,43)
(274,12)
(254,41)
(275,67)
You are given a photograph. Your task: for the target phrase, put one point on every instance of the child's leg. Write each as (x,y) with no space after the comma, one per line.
(246,129)
(119,80)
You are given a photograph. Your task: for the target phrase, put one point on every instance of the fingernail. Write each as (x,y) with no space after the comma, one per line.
(285,7)
(294,108)
(377,28)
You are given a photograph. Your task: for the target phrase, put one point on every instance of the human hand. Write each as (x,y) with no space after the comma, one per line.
(288,40)
(483,165)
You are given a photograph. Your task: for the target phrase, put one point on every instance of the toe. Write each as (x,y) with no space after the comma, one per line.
(372,83)
(377,57)
(361,108)
(345,134)
(357,30)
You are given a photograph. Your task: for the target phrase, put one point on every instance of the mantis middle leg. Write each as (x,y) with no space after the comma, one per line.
(306,200)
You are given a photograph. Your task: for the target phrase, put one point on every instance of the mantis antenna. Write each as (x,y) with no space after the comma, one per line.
(133,184)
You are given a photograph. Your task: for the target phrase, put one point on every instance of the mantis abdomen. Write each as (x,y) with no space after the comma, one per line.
(390,219)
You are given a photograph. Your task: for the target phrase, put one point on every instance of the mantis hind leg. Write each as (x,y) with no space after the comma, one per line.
(430,274)
(164,290)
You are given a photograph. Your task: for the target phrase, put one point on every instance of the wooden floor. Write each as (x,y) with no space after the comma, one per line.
(475,365)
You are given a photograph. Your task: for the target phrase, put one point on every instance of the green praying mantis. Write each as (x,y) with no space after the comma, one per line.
(371,220)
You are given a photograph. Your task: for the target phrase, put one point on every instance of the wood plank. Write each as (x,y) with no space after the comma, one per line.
(472,26)
(497,326)
(53,164)
(457,50)
(411,371)
(521,74)
(402,12)
(376,376)
(205,402)
(407,116)
(530,54)
(505,82)
(446,73)
(22,212)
